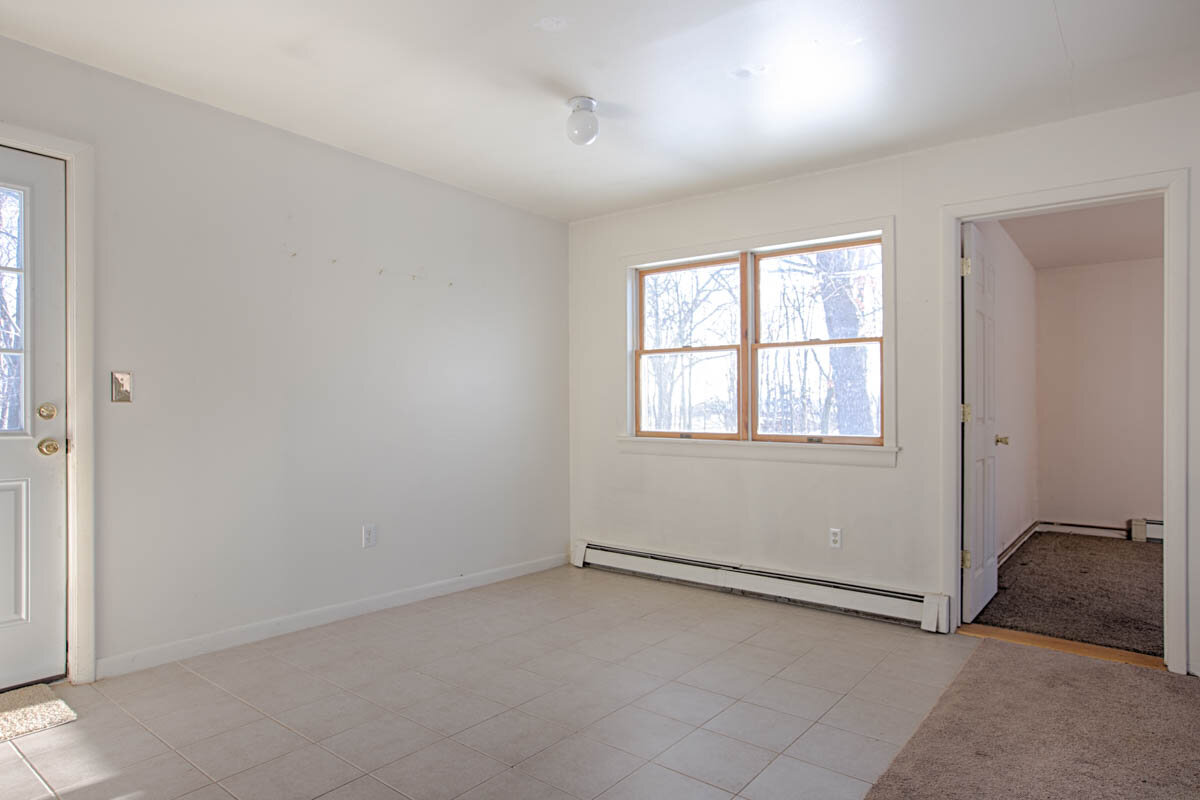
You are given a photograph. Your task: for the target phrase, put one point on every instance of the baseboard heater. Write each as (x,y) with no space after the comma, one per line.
(932,611)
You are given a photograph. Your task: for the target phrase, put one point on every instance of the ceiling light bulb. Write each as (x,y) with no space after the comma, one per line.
(582,125)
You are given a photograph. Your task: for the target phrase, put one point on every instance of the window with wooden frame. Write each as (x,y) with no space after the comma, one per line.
(779,345)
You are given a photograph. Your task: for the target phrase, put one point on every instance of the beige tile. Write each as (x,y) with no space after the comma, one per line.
(123,686)
(844,752)
(696,644)
(163,777)
(653,782)
(784,640)
(850,653)
(80,751)
(789,779)
(797,699)
(211,792)
(461,669)
(17,780)
(916,697)
(637,731)
(184,727)
(231,655)
(279,694)
(364,788)
(188,693)
(611,646)
(580,766)
(354,670)
(764,727)
(727,679)
(730,629)
(685,703)
(716,759)
(241,748)
(513,736)
(928,671)
(563,665)
(439,772)
(572,707)
(620,683)
(515,785)
(381,741)
(299,775)
(451,713)
(513,686)
(874,720)
(817,669)
(662,662)
(330,715)
(79,698)
(402,689)
(755,658)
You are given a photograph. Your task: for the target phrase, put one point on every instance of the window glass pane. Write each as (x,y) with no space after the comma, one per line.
(690,392)
(826,294)
(12,247)
(697,307)
(11,323)
(12,417)
(819,390)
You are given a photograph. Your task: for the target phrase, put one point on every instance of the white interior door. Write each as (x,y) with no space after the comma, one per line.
(33,387)
(980,570)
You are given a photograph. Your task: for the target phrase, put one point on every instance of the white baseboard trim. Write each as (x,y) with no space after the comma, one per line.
(122,663)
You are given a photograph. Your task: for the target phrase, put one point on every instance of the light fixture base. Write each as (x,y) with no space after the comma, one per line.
(582,103)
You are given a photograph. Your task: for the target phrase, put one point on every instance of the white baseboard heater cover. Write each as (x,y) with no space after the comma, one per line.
(932,611)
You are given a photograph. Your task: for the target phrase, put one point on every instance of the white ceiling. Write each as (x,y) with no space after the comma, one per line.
(472,92)
(1096,235)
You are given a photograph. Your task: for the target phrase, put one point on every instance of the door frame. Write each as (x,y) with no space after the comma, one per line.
(1172,186)
(80,413)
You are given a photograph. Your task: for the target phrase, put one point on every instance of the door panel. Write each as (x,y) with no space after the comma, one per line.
(33,500)
(981,577)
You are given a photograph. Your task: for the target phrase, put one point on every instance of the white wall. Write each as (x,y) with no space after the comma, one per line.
(317,340)
(899,521)
(1100,377)
(1016,380)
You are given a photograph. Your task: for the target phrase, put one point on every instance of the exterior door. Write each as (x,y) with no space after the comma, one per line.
(33,389)
(980,572)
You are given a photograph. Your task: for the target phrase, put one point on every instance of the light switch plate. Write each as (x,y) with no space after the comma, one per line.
(122,387)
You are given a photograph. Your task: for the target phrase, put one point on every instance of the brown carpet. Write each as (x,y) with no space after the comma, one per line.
(1023,722)
(1091,589)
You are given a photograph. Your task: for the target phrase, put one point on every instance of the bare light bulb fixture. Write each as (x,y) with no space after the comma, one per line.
(582,125)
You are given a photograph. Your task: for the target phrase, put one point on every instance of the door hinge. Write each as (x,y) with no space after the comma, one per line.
(965,412)
(966,559)
(966,266)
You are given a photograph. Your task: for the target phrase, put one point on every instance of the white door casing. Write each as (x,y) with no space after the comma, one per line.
(980,573)
(33,370)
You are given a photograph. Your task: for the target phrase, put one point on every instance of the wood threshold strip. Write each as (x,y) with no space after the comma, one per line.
(1063,646)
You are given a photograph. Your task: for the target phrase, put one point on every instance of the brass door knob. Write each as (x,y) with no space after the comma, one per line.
(47,411)
(1001,440)
(48,447)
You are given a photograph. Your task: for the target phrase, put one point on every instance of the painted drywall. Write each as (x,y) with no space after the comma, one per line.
(898,522)
(317,341)
(1099,392)
(1016,381)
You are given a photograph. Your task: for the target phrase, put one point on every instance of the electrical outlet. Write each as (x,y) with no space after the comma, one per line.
(835,538)
(370,535)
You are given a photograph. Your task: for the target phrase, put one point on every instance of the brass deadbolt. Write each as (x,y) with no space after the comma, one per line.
(48,447)
(47,411)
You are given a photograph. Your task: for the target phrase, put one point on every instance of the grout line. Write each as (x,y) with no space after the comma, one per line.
(33,769)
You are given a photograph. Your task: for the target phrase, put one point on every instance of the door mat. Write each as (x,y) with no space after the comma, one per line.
(29,709)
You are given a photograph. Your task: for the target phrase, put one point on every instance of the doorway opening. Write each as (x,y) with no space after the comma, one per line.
(1063,419)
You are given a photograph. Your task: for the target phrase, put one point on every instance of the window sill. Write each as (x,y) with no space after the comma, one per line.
(857,455)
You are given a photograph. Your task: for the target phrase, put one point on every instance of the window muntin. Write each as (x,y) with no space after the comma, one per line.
(805,366)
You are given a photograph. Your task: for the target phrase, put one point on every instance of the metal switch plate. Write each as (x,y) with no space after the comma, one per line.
(122,387)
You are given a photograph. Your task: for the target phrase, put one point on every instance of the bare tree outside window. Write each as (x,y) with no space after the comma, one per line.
(12,261)
(685,389)
(808,369)
(823,311)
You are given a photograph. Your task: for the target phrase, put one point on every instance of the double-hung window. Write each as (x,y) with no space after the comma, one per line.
(781,344)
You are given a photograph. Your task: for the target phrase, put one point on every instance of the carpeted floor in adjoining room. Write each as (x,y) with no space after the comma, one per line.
(1023,722)
(1093,589)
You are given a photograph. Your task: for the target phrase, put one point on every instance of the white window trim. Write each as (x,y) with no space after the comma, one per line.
(848,454)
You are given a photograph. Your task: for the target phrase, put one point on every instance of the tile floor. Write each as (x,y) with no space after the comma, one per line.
(564,684)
